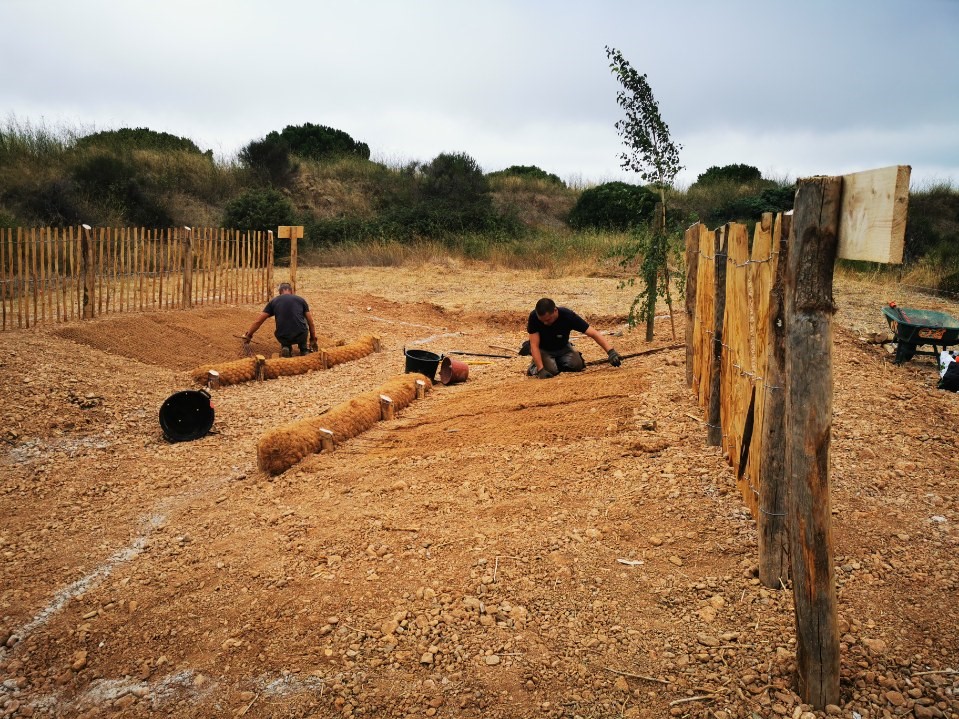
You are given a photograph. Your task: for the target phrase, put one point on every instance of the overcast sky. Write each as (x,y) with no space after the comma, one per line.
(794,88)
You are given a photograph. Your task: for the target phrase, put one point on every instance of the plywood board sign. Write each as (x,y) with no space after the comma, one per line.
(290,232)
(872,222)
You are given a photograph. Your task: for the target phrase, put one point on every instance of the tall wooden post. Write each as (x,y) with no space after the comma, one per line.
(187,299)
(269,268)
(773,539)
(291,233)
(692,269)
(808,310)
(714,437)
(88,268)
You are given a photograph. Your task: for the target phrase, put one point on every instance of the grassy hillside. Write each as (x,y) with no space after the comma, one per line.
(360,211)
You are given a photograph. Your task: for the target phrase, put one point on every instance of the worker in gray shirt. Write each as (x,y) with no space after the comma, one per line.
(294,322)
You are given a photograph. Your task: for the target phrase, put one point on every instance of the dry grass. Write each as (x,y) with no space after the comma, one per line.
(556,254)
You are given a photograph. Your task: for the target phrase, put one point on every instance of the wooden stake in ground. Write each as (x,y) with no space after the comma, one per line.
(714,436)
(692,268)
(808,310)
(773,540)
(291,233)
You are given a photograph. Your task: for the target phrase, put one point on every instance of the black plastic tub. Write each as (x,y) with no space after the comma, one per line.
(423,362)
(186,415)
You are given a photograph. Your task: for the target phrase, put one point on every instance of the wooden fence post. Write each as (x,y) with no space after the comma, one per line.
(714,436)
(269,268)
(88,261)
(773,541)
(692,268)
(187,299)
(292,233)
(808,310)
(386,407)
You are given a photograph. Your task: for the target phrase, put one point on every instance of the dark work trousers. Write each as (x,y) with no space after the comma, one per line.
(565,359)
(300,339)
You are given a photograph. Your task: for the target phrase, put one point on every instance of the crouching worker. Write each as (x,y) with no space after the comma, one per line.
(549,327)
(293,321)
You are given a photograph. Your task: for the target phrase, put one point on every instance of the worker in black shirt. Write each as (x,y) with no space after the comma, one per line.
(549,327)
(293,321)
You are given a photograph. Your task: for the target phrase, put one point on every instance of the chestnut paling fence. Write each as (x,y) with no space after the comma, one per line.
(61,274)
(759,360)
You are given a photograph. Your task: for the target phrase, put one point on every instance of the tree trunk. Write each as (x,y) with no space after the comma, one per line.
(651,279)
(808,311)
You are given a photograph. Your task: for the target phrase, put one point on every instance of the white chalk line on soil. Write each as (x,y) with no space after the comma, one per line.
(83,584)
(106,690)
(401,322)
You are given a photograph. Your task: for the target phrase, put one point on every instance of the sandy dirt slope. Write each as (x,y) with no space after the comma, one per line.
(504,548)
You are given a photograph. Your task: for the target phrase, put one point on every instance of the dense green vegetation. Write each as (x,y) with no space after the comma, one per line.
(354,207)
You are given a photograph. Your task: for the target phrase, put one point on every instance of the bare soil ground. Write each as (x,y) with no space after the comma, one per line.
(504,548)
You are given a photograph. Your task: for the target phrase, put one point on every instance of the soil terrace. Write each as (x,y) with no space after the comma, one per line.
(505,547)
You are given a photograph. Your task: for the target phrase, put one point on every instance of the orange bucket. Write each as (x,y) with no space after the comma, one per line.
(453,371)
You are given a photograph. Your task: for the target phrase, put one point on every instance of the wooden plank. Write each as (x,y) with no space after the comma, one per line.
(60,285)
(770,470)
(101,241)
(736,391)
(42,277)
(34,274)
(115,251)
(186,248)
(70,269)
(269,272)
(4,275)
(691,238)
(808,312)
(714,426)
(292,233)
(125,271)
(207,262)
(705,297)
(762,263)
(141,266)
(872,224)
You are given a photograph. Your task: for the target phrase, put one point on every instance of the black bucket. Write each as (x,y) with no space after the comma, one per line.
(423,362)
(186,415)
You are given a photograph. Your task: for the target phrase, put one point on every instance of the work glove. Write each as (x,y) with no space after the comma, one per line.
(544,374)
(614,358)
(314,345)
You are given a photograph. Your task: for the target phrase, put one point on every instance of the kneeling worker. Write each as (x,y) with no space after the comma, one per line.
(293,320)
(549,327)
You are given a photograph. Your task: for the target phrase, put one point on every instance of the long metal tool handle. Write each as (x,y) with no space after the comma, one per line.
(654,350)
(478,354)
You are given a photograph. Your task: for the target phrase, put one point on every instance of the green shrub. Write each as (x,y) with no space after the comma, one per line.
(613,206)
(112,188)
(738,174)
(140,138)
(53,202)
(454,176)
(752,207)
(529,172)
(104,174)
(269,159)
(260,209)
(932,225)
(319,142)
